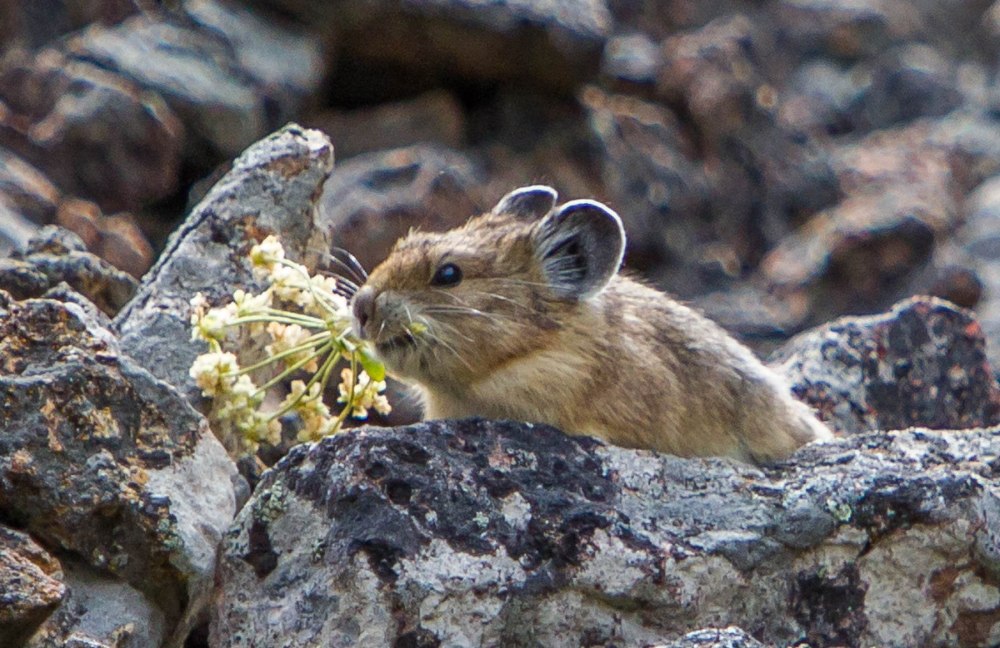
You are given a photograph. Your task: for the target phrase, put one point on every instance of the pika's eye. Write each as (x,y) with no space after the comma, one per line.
(447,275)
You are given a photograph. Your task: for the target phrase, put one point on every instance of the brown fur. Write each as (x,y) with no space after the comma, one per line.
(628,365)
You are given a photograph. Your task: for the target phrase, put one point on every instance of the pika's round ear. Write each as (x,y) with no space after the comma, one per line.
(529,203)
(580,246)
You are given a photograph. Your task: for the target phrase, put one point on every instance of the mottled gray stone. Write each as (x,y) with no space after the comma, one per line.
(496,533)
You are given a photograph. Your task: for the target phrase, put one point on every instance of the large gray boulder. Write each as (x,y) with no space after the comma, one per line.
(480,533)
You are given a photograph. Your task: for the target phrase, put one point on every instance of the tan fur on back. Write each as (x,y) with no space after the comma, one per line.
(628,365)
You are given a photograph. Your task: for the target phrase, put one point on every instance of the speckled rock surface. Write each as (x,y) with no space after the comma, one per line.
(731,637)
(921,364)
(56,256)
(102,461)
(481,533)
(272,188)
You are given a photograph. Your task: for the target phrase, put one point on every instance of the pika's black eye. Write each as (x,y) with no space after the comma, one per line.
(447,275)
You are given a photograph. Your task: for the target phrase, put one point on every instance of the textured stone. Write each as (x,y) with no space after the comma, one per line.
(761,177)
(56,256)
(26,189)
(922,364)
(30,587)
(100,610)
(101,460)
(37,23)
(490,533)
(730,637)
(272,189)
(93,133)
(654,181)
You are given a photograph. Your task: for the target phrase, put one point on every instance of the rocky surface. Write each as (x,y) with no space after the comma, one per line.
(923,363)
(105,464)
(484,533)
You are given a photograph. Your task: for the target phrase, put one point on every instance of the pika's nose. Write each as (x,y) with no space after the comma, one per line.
(363,306)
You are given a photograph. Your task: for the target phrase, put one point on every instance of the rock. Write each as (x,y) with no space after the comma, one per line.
(93,133)
(372,200)
(762,179)
(432,118)
(844,30)
(26,189)
(57,256)
(631,60)
(922,364)
(99,610)
(286,63)
(272,188)
(102,461)
(490,533)
(979,242)
(554,45)
(116,239)
(193,70)
(901,197)
(906,83)
(15,230)
(30,586)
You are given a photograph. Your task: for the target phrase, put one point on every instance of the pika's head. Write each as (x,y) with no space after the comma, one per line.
(452,306)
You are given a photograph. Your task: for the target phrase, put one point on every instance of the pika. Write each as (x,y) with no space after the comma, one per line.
(521,314)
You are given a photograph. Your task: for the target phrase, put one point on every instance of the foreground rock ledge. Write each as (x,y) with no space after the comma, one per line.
(480,533)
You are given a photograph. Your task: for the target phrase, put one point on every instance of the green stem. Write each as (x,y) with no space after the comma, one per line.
(292,369)
(307,344)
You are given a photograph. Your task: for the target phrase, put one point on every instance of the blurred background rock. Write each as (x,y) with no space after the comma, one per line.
(776,162)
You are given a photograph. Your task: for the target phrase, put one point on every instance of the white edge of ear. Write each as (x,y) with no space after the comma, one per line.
(534,200)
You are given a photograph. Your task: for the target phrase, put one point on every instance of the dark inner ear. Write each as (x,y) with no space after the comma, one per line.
(580,247)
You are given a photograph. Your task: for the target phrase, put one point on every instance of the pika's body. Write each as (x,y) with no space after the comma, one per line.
(521,314)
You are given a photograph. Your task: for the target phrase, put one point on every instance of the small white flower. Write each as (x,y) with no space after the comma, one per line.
(266,255)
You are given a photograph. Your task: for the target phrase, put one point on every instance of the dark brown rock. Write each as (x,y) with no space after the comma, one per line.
(116,239)
(26,189)
(902,195)
(30,586)
(92,133)
(922,364)
(38,23)
(193,70)
(761,177)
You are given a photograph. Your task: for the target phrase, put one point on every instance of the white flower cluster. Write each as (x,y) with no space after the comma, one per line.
(311,334)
